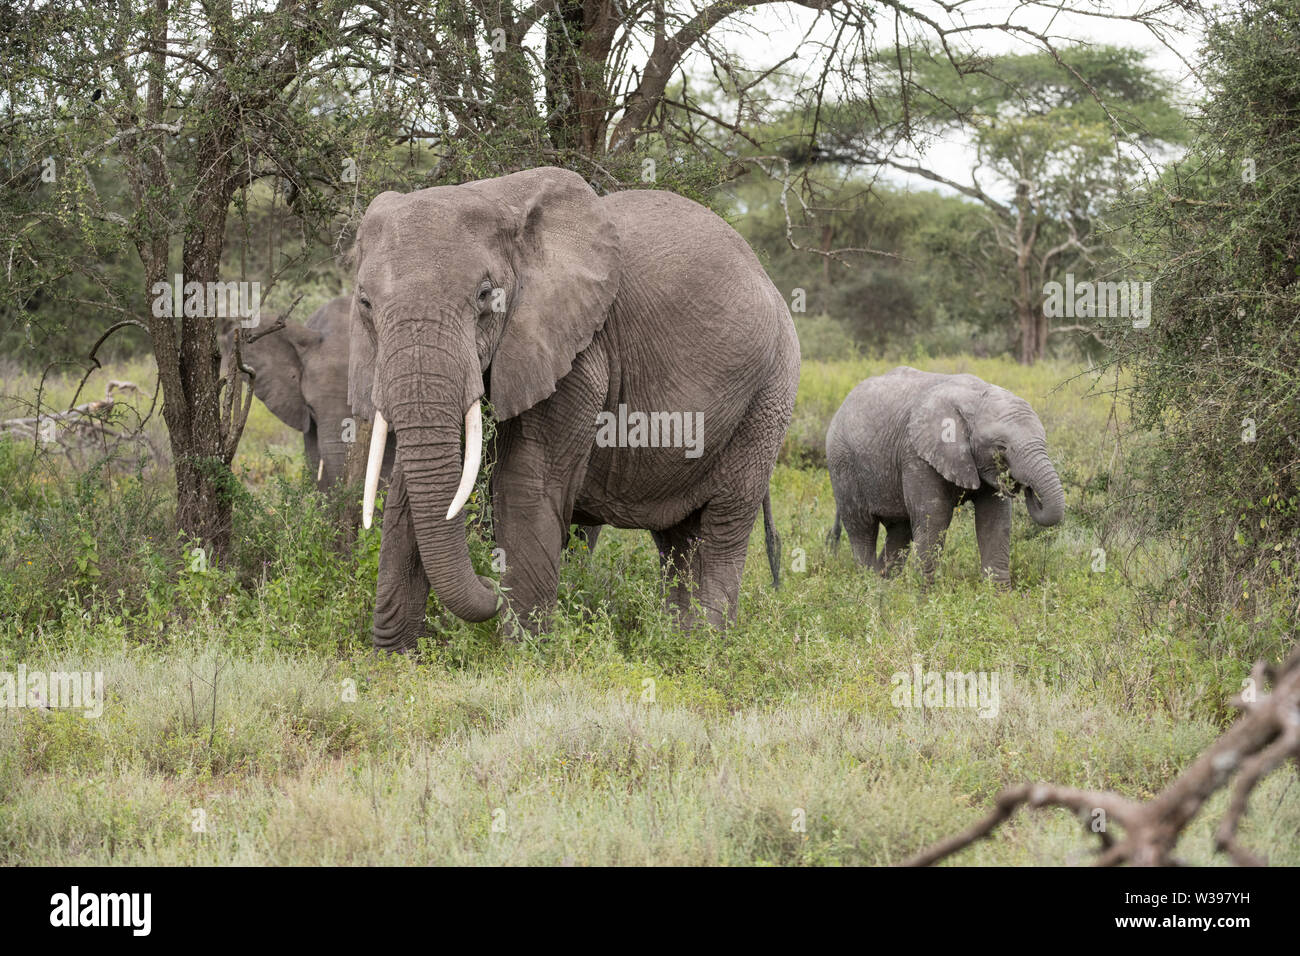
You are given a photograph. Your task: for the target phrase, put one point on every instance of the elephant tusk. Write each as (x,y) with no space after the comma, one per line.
(320,469)
(378,439)
(473,455)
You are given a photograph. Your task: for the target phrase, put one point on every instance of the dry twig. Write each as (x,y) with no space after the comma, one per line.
(1265,736)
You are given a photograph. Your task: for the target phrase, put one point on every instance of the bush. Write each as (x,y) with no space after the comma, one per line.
(101,547)
(1216,373)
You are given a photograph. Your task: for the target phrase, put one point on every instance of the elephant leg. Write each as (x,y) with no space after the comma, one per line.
(532,529)
(402,593)
(542,464)
(679,564)
(928,531)
(587,534)
(742,474)
(862,538)
(993,532)
(930,500)
(898,538)
(703,560)
(724,543)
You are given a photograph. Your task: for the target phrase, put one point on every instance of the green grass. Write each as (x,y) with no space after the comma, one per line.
(555,739)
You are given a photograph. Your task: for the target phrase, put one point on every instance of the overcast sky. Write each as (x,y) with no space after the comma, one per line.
(766,36)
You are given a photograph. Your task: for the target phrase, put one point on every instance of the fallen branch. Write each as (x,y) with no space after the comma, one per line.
(78,412)
(79,426)
(1265,736)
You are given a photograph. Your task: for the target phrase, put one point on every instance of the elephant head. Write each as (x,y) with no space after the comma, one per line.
(301,374)
(491,287)
(970,431)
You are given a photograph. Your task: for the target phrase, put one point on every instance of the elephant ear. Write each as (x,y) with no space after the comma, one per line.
(278,361)
(363,342)
(940,432)
(567,261)
(362,346)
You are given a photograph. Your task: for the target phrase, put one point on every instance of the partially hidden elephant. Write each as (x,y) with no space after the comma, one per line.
(906,448)
(301,375)
(580,318)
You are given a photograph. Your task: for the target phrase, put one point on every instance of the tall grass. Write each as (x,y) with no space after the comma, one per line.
(613,738)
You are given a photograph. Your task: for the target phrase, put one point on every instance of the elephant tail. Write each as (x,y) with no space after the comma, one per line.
(833,538)
(772,540)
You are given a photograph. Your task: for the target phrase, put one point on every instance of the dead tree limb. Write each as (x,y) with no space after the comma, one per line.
(81,425)
(1265,736)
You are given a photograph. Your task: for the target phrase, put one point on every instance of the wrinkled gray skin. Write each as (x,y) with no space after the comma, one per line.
(907,447)
(302,377)
(642,298)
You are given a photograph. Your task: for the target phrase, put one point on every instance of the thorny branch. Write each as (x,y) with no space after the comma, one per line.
(1265,736)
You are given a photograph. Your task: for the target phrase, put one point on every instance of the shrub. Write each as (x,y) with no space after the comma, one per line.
(1216,373)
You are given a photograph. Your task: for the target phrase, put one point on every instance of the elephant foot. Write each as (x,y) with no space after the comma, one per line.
(397,629)
(401,643)
(1000,579)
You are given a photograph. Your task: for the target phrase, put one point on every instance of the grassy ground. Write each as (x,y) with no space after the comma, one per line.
(613,739)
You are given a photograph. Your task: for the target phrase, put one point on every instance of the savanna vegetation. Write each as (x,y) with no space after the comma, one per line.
(561,741)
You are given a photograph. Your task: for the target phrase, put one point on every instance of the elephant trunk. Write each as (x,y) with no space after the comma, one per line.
(333,464)
(429,449)
(431,463)
(1044,496)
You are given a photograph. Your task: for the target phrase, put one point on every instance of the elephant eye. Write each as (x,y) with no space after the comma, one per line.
(484,290)
(365,302)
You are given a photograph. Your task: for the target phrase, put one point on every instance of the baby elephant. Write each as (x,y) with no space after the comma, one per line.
(906,448)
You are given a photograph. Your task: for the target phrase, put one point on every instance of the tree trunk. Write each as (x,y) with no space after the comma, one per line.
(579,36)
(1028,333)
(200,455)
(1027,304)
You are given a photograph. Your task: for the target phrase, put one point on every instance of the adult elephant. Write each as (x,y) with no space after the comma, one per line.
(301,375)
(907,447)
(559,305)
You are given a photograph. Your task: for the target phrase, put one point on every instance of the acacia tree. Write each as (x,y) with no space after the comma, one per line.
(585,81)
(181,109)
(1058,136)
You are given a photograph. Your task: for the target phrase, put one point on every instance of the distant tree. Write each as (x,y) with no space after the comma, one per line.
(1058,136)
(911,284)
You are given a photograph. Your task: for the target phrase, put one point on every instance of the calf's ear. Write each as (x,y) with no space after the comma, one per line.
(940,432)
